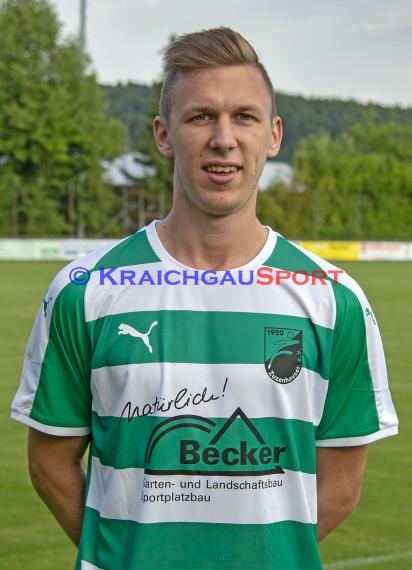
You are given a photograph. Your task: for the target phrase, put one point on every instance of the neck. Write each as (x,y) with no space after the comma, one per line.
(215,243)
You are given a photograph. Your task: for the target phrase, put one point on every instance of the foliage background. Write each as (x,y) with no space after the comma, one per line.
(352,163)
(53,128)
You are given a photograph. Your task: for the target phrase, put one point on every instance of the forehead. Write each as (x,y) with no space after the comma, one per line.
(221,87)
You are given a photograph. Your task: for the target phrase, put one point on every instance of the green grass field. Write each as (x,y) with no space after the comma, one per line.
(380,531)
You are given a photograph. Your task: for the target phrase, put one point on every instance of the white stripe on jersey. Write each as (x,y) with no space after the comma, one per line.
(360,440)
(87,566)
(140,384)
(121,495)
(100,295)
(50,430)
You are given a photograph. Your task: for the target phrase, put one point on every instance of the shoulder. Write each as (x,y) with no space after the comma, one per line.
(294,257)
(73,280)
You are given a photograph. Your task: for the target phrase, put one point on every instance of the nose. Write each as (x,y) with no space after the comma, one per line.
(223,136)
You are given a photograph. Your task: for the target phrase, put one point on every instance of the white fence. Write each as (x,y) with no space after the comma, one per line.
(61,249)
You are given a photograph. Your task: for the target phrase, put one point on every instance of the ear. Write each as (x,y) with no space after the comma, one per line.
(161,135)
(276,137)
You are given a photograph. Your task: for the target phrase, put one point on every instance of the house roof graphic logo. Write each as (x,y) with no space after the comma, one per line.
(194,445)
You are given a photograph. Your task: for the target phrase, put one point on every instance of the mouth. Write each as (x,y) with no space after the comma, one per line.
(222,174)
(222,169)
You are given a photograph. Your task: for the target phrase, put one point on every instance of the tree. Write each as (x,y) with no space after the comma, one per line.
(53,131)
(129,103)
(360,184)
(159,187)
(286,209)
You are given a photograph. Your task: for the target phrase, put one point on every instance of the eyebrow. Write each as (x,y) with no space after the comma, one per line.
(241,108)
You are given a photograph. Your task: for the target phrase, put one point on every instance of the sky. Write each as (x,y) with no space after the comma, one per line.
(346,49)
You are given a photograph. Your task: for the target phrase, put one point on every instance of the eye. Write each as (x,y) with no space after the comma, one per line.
(200,117)
(246,117)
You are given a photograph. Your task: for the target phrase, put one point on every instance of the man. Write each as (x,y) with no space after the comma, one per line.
(228,408)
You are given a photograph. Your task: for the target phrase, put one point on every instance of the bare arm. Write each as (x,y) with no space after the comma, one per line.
(340,472)
(57,472)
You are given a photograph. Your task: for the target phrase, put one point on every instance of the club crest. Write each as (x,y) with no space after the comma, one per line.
(283,354)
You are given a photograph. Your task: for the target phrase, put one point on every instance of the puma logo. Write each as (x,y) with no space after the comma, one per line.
(369,313)
(127,329)
(46,304)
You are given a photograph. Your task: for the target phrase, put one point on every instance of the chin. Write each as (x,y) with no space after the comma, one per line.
(221,210)
(219,203)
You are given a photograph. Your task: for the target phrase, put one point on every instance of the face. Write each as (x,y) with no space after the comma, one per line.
(220,134)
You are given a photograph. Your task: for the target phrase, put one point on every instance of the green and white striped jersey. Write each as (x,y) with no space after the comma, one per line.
(205,401)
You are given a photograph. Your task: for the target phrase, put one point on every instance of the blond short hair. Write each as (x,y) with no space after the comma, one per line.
(208,48)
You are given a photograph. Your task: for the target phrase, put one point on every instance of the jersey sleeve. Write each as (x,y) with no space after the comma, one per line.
(358,408)
(54,393)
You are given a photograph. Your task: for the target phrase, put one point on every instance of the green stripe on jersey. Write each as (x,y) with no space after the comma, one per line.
(134,250)
(154,442)
(126,545)
(287,256)
(214,337)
